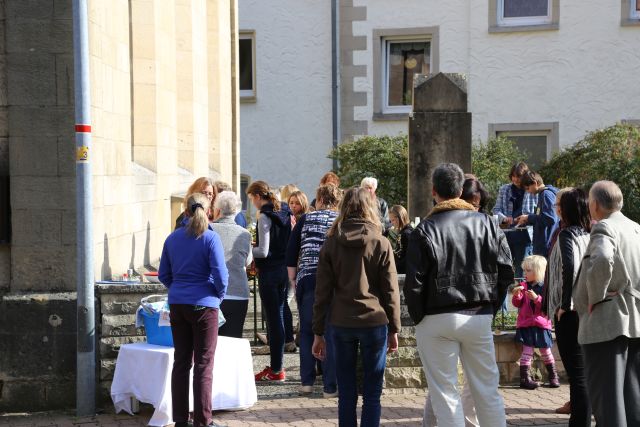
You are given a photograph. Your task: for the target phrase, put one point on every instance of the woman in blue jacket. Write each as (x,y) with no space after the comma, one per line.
(192,267)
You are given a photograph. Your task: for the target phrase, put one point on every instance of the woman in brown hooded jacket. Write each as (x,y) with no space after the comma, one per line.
(357,288)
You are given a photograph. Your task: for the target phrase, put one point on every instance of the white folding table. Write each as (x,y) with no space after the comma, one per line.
(143,372)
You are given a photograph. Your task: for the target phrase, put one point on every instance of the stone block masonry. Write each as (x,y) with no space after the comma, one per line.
(116,307)
(37,351)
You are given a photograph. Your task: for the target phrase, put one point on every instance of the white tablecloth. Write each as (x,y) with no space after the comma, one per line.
(143,371)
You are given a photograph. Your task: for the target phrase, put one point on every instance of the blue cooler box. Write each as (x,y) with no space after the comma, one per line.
(157,335)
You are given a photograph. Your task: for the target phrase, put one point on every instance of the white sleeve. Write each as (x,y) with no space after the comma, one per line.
(264,225)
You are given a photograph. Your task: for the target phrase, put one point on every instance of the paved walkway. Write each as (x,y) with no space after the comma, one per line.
(524,408)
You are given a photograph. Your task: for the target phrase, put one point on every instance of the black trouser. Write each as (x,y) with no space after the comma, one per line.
(573,361)
(234,311)
(612,369)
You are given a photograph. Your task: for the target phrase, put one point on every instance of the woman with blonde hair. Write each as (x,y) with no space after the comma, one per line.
(357,293)
(273,231)
(204,186)
(298,203)
(192,267)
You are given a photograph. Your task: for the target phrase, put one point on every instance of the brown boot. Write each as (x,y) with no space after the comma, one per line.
(525,378)
(554,380)
(564,409)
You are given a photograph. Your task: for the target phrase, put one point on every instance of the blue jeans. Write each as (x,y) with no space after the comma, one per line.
(305,297)
(373,349)
(272,285)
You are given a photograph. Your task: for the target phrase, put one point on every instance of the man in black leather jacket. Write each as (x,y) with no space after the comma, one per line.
(458,271)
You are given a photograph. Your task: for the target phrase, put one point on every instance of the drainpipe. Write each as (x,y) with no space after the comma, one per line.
(335,75)
(86,354)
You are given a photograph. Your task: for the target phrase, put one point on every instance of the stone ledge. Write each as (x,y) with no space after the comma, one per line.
(138,288)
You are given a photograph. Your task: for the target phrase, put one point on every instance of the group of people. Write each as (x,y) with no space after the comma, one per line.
(579,262)
(577,256)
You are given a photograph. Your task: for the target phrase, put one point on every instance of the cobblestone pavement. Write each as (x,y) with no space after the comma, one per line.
(523,408)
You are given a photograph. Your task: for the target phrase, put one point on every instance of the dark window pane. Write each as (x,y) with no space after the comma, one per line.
(5,210)
(534,147)
(244,184)
(638,5)
(405,60)
(246,65)
(525,8)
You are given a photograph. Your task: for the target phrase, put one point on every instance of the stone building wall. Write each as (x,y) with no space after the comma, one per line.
(163,113)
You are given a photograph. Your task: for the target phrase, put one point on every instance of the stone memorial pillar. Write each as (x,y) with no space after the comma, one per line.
(439,131)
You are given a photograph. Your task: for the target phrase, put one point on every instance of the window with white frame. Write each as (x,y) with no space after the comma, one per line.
(247,65)
(524,12)
(635,9)
(403,58)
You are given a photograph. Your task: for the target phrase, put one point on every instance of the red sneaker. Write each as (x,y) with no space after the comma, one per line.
(267,374)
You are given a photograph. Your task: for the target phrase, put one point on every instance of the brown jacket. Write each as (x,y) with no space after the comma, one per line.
(356,280)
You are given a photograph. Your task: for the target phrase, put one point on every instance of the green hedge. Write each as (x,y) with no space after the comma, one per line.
(382,157)
(491,163)
(612,153)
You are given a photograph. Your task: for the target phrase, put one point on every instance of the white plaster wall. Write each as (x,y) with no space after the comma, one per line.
(452,18)
(286,134)
(583,75)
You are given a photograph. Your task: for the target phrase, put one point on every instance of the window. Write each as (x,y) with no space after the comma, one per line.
(5,210)
(533,144)
(630,12)
(635,9)
(403,60)
(247,69)
(398,55)
(244,184)
(523,15)
(537,140)
(524,12)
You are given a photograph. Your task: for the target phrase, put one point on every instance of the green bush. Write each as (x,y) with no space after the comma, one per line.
(383,157)
(491,163)
(612,153)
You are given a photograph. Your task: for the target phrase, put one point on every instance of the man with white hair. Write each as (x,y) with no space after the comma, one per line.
(371,184)
(607,299)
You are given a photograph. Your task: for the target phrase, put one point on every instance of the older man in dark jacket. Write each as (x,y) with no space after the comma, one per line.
(458,271)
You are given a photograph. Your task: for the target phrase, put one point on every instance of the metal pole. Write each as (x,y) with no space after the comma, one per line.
(335,76)
(86,362)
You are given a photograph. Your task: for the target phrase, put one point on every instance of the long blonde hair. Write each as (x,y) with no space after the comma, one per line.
(401,213)
(302,199)
(262,190)
(197,207)
(357,203)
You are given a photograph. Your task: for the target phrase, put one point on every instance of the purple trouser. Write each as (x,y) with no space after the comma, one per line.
(195,335)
